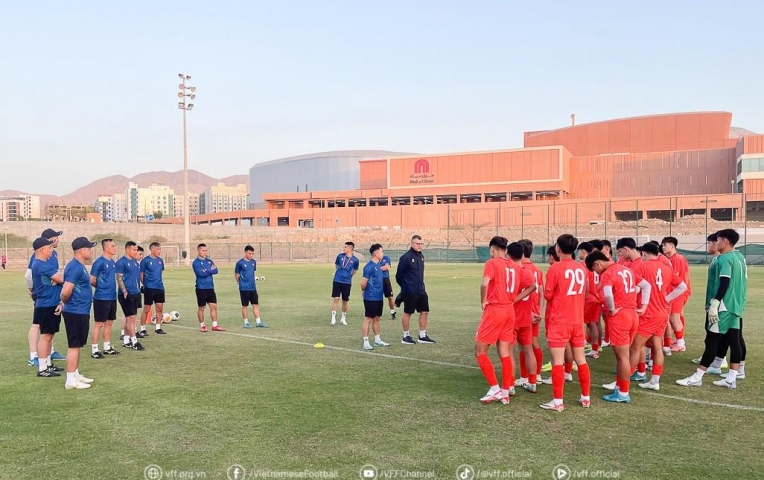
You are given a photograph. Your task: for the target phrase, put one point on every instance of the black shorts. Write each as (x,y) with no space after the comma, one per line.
(152,296)
(104,310)
(130,305)
(387,287)
(46,318)
(205,296)
(77,329)
(249,297)
(415,302)
(372,308)
(341,289)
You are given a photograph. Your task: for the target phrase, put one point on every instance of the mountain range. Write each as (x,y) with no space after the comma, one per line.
(86,195)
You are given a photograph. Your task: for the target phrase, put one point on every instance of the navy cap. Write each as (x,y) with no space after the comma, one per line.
(82,242)
(50,233)
(41,242)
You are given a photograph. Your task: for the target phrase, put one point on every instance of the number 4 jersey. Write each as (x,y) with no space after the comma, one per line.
(508,279)
(660,277)
(566,284)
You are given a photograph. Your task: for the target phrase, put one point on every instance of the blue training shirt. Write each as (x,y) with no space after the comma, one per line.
(47,295)
(131,274)
(152,268)
(373,274)
(82,294)
(105,271)
(345,268)
(246,270)
(386,261)
(204,269)
(51,259)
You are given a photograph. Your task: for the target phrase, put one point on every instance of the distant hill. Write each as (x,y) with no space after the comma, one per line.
(197,182)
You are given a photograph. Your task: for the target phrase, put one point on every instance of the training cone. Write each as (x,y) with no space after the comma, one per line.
(319,345)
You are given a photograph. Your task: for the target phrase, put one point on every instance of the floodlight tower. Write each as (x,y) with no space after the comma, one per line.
(186,91)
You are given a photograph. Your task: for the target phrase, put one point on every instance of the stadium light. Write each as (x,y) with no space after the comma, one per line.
(186,200)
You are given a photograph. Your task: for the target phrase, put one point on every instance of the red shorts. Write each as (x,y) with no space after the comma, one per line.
(652,326)
(497,325)
(535,328)
(523,335)
(622,327)
(559,334)
(592,312)
(677,306)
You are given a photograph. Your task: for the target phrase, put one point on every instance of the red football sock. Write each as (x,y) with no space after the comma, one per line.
(539,358)
(634,370)
(523,369)
(679,334)
(588,338)
(657,369)
(568,367)
(642,368)
(507,373)
(666,341)
(487,367)
(558,381)
(584,376)
(623,385)
(595,347)
(532,378)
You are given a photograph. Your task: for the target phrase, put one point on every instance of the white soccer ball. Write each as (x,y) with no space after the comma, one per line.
(174,316)
(166,318)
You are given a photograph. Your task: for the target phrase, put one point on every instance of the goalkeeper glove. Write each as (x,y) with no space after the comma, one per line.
(713,311)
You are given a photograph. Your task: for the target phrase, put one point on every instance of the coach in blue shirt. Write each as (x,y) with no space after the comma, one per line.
(46,286)
(410,277)
(245,274)
(205,269)
(153,288)
(129,281)
(346,265)
(372,287)
(77,299)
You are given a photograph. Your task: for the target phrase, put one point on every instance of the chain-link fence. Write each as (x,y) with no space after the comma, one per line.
(452,233)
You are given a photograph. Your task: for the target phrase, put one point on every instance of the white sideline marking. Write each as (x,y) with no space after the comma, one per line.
(447,364)
(341,349)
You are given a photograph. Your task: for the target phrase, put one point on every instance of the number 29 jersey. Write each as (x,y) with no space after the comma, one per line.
(566,284)
(507,279)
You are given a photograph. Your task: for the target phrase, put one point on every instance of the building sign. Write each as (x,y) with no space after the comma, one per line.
(421,175)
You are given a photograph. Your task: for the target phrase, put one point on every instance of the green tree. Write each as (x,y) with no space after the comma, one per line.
(158,215)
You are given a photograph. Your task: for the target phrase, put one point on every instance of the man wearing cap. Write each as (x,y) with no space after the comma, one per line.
(153,288)
(76,300)
(46,281)
(103,277)
(34,330)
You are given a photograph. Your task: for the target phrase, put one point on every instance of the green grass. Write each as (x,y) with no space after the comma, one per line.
(202,402)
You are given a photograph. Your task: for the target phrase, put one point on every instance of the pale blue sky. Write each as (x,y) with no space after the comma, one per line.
(89,87)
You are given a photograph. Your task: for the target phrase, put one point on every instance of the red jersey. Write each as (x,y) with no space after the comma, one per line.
(538,278)
(566,283)
(624,283)
(524,308)
(593,293)
(664,259)
(660,277)
(682,268)
(507,279)
(623,261)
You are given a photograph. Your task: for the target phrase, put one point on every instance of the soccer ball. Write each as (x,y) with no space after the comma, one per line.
(262,278)
(174,316)
(166,318)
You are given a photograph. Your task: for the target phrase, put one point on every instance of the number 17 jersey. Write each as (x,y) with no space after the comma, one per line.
(566,284)
(507,279)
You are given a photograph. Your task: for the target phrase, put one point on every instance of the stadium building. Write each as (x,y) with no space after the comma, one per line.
(660,166)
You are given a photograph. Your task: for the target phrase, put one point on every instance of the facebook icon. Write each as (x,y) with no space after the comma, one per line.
(236,472)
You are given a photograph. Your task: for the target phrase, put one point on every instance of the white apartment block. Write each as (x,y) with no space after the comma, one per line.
(19,207)
(222,198)
(193,205)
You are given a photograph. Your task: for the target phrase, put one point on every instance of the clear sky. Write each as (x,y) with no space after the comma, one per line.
(88,88)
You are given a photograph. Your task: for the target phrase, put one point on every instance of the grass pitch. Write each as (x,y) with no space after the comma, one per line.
(195,404)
